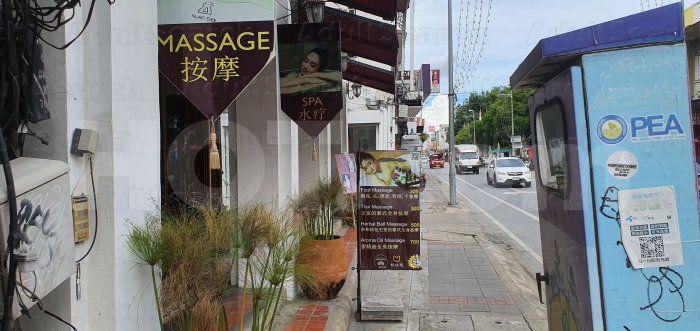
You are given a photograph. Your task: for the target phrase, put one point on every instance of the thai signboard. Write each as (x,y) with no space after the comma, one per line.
(435,81)
(389,226)
(210,51)
(347,172)
(310,74)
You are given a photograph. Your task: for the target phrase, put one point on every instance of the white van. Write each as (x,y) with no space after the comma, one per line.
(467,159)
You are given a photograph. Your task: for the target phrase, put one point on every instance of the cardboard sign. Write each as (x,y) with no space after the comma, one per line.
(211,50)
(310,74)
(347,171)
(389,201)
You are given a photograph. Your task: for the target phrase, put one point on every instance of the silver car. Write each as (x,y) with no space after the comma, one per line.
(508,171)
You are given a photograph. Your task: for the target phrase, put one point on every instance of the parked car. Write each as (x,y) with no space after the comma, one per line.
(508,171)
(437,161)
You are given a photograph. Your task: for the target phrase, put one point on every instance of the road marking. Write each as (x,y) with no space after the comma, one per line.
(518,192)
(510,234)
(526,213)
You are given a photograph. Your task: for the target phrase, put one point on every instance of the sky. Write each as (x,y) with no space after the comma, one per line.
(515,28)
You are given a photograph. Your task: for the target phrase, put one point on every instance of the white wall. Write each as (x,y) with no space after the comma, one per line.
(107,81)
(382,118)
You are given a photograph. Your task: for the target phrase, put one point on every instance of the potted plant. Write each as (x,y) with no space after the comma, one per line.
(192,250)
(269,241)
(322,252)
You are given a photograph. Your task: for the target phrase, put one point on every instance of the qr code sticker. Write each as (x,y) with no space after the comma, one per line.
(652,246)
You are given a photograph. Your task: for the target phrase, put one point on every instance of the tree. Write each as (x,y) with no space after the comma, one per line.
(494,127)
(424,136)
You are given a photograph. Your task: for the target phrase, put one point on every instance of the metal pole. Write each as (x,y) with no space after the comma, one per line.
(453,184)
(512,120)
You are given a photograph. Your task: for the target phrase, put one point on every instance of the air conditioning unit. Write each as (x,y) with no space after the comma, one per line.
(46,253)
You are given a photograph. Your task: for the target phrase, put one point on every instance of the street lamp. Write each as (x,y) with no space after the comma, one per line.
(474,124)
(356,90)
(512,116)
(314,10)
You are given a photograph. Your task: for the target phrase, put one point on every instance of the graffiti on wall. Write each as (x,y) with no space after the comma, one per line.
(41,250)
(664,284)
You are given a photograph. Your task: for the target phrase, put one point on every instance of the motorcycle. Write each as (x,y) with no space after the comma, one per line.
(421,182)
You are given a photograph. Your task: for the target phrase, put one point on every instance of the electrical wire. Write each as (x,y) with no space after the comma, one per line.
(94,197)
(23,23)
(60,319)
(39,303)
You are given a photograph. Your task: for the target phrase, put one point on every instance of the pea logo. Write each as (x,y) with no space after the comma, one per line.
(612,129)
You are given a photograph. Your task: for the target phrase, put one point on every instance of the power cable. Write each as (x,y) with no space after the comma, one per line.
(483,43)
(477,27)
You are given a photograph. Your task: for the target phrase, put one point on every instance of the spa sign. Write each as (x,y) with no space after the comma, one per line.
(310,74)
(210,51)
(389,204)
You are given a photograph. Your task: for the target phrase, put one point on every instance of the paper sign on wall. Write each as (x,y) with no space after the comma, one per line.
(649,225)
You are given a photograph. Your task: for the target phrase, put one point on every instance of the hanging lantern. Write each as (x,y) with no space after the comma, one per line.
(314,10)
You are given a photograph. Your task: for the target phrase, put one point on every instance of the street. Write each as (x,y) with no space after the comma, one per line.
(512,208)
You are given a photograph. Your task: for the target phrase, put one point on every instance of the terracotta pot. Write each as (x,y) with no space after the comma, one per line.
(325,260)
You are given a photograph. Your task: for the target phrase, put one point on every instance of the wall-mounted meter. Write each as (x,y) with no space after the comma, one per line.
(46,253)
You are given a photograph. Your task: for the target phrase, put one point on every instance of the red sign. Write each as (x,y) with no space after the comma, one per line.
(212,63)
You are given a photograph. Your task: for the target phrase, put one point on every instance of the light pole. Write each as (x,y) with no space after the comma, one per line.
(512,116)
(453,183)
(474,124)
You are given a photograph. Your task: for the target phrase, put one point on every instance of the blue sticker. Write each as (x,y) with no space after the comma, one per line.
(612,129)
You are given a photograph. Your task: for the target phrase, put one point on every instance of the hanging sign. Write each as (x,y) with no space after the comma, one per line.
(389,223)
(310,74)
(435,81)
(210,51)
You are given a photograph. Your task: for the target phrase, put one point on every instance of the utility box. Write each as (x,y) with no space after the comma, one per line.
(616,175)
(46,253)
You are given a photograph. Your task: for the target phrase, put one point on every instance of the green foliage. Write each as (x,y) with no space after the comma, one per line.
(315,208)
(424,136)
(494,127)
(192,249)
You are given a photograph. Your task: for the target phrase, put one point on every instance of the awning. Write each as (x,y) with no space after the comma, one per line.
(370,76)
(663,25)
(364,37)
(383,8)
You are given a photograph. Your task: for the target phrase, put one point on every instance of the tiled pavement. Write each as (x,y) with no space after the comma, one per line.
(309,317)
(461,279)
(313,315)
(461,287)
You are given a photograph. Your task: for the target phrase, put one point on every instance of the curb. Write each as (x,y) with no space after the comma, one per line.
(341,308)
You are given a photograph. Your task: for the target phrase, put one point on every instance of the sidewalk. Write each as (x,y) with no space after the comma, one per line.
(474,276)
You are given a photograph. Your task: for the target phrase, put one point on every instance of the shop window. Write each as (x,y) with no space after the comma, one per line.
(551,146)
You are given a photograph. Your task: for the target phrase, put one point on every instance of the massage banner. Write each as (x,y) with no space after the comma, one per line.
(310,74)
(389,200)
(211,50)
